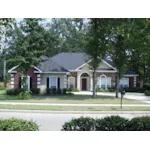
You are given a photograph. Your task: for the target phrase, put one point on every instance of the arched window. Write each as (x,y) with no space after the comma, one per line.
(84,75)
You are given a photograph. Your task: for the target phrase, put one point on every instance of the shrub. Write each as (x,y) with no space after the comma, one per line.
(140,90)
(139,124)
(58,91)
(80,124)
(147,86)
(14,124)
(2,87)
(75,90)
(64,91)
(49,91)
(35,91)
(105,90)
(147,93)
(24,95)
(54,90)
(13,91)
(112,123)
(111,90)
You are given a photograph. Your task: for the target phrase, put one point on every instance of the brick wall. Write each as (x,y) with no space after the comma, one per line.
(30,73)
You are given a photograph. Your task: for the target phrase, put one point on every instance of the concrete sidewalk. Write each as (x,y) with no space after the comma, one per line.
(73,105)
(75,112)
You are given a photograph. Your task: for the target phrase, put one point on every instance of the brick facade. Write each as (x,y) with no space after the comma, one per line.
(30,73)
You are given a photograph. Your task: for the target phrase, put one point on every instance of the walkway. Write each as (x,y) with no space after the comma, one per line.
(78,105)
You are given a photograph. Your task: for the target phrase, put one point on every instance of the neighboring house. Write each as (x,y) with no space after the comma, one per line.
(71,70)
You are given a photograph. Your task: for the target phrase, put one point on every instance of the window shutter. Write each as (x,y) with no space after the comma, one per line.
(47,82)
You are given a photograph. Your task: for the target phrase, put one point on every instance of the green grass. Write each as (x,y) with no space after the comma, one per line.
(69,108)
(68,99)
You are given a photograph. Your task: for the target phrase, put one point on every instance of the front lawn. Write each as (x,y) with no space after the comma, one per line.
(68,99)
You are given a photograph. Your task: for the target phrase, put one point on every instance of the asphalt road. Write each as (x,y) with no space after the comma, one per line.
(54,122)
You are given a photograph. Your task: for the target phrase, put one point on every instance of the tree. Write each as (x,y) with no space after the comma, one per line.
(139,59)
(5,23)
(119,46)
(69,34)
(28,46)
(96,45)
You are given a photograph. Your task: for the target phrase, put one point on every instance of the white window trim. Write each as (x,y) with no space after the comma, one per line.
(103,75)
(110,81)
(69,81)
(50,81)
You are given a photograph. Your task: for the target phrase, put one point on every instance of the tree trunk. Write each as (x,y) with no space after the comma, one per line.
(117,85)
(24,83)
(4,71)
(94,84)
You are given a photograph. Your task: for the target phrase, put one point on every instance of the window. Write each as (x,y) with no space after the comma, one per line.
(103,82)
(71,82)
(53,82)
(108,82)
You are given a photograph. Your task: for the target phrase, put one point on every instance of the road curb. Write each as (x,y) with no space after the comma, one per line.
(75,112)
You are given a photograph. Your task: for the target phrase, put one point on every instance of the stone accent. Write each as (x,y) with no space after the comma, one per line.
(134,81)
(12,80)
(72,74)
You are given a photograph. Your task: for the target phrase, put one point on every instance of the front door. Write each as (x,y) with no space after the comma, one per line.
(84,84)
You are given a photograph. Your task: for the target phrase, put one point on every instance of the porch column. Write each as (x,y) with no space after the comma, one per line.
(12,81)
(134,81)
(65,81)
(78,81)
(38,80)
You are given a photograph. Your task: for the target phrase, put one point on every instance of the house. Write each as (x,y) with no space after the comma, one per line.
(71,70)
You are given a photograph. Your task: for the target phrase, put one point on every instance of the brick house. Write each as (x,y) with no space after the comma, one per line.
(71,70)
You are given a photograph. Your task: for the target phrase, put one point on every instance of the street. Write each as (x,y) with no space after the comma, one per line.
(54,122)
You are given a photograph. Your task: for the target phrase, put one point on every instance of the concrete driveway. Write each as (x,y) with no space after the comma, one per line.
(133,96)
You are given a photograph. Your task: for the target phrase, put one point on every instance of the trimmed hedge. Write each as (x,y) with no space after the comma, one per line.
(139,124)
(14,124)
(80,124)
(54,91)
(139,90)
(147,93)
(112,123)
(35,91)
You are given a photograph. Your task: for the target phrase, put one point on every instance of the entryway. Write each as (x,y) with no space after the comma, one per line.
(84,84)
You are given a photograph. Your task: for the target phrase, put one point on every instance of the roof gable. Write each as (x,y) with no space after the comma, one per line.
(50,66)
(70,61)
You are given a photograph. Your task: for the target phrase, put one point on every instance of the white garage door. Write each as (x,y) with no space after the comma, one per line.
(124,82)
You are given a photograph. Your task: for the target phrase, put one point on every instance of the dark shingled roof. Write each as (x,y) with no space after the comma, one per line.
(70,61)
(48,65)
(129,72)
